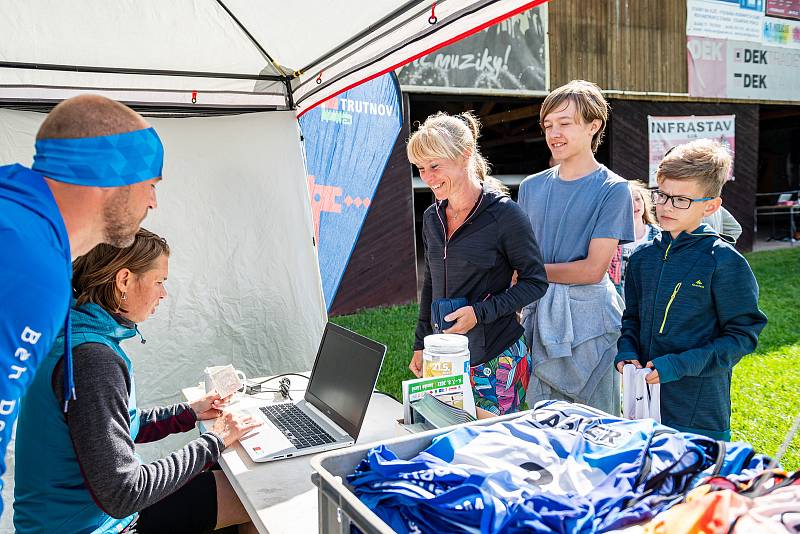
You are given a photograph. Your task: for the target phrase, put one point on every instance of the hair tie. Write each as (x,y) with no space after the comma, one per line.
(463,118)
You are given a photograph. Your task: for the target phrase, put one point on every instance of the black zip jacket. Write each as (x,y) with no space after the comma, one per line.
(477,263)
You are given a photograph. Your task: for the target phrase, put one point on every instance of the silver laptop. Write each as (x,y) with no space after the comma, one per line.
(331,413)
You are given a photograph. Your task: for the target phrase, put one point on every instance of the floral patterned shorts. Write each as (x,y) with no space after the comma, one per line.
(500,385)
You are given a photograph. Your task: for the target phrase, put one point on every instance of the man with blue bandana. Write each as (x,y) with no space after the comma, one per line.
(92,181)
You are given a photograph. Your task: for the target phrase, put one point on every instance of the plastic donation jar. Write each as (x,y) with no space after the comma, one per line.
(445,354)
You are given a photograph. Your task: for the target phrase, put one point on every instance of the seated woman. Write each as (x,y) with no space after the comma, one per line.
(76,468)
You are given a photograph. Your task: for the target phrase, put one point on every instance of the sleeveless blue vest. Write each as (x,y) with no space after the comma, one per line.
(49,490)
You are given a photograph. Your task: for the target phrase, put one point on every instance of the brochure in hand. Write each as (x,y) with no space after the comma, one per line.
(452,390)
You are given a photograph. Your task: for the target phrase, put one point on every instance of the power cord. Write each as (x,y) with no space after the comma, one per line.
(284,385)
(271,378)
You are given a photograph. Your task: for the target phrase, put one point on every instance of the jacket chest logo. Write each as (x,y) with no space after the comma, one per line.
(698,283)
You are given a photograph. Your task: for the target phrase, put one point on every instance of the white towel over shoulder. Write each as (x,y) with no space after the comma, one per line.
(640,400)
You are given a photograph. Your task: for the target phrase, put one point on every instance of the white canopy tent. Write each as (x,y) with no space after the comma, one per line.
(244,285)
(229,53)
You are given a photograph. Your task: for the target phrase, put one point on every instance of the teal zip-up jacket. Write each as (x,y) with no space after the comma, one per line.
(79,472)
(49,492)
(691,307)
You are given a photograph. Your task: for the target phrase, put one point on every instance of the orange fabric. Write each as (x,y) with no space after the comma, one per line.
(703,512)
(706,511)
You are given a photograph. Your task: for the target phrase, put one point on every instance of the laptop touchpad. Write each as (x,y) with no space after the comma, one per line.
(266,440)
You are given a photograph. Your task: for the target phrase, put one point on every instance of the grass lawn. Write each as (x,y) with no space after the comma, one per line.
(766,384)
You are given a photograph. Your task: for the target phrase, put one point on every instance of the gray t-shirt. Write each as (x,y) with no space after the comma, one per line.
(567,214)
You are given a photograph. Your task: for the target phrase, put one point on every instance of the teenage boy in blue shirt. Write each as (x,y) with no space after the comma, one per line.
(691,299)
(580,212)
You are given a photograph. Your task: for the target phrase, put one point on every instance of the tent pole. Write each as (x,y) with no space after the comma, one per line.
(260,48)
(149,72)
(289,95)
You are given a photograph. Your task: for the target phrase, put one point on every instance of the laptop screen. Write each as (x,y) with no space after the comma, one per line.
(344,375)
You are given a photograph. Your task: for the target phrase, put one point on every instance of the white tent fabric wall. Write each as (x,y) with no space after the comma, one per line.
(244,282)
(244,285)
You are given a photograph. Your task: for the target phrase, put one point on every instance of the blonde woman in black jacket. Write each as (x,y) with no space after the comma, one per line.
(475,239)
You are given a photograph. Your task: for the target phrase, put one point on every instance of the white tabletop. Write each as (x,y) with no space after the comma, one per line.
(279,495)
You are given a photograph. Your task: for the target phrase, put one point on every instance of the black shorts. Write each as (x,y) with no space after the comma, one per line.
(191,509)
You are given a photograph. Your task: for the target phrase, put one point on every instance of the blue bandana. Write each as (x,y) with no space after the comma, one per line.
(106,161)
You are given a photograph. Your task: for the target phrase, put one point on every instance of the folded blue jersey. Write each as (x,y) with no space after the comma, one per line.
(562,468)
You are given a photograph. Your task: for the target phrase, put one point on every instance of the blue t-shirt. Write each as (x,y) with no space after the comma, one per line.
(567,214)
(35,272)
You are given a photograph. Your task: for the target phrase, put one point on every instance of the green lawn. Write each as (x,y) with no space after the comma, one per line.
(766,384)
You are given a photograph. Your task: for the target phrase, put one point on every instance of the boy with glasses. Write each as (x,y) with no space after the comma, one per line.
(691,299)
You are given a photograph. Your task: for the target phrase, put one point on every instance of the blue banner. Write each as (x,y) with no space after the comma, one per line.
(348,140)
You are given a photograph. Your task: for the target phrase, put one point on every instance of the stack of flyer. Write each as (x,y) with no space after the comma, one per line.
(438,401)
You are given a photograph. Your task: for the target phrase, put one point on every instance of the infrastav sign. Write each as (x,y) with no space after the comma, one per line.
(665,133)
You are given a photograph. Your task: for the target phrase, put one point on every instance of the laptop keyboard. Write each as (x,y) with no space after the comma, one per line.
(298,428)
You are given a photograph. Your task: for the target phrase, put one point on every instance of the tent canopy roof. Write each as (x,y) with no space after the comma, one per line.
(223,53)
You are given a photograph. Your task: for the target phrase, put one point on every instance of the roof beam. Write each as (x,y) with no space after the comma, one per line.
(510,115)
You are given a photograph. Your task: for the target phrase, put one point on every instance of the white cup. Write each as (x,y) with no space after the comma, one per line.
(225,379)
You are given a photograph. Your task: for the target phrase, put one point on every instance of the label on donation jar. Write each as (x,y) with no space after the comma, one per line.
(444,355)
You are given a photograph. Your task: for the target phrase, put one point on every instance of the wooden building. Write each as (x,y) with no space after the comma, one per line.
(637,52)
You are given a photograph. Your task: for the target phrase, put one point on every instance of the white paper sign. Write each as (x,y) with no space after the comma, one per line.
(722,20)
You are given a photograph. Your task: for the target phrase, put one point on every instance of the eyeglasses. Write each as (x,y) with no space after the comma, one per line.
(679,202)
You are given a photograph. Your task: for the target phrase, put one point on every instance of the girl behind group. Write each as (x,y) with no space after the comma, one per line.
(645,230)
